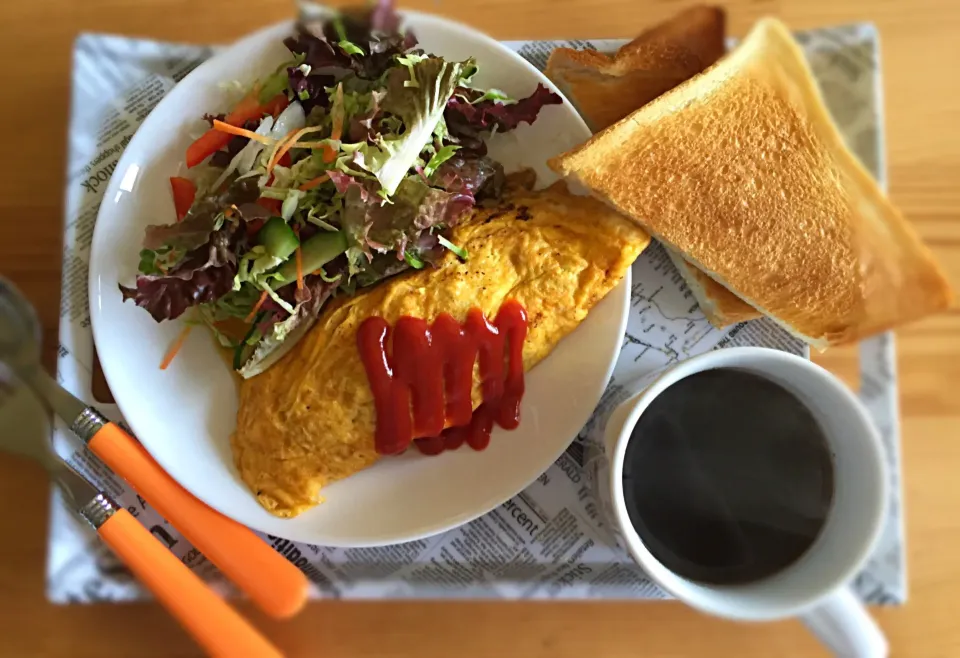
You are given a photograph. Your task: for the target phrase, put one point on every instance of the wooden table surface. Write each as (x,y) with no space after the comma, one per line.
(919,50)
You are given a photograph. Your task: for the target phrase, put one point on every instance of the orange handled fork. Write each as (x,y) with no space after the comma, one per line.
(209,619)
(204,615)
(274,584)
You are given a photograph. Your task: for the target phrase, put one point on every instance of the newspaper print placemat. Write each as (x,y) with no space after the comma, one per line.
(546,542)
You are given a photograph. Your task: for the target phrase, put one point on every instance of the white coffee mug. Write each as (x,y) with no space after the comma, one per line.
(815,587)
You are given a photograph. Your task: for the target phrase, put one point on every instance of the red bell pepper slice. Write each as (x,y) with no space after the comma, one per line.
(276,105)
(206,145)
(184,192)
(213,140)
(273,205)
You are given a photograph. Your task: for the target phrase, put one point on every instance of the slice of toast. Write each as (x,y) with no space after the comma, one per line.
(742,171)
(605,89)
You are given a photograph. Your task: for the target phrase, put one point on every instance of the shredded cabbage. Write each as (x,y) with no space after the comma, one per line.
(245,159)
(250,152)
(290,204)
(277,298)
(292,118)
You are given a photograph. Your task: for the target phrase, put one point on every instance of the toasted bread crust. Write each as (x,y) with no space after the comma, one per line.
(606,89)
(720,306)
(742,171)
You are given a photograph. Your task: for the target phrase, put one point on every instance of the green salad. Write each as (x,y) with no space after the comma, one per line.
(349,164)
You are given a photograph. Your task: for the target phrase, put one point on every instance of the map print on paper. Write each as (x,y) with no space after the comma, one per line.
(665,324)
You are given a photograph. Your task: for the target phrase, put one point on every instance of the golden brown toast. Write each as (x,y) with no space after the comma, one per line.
(606,89)
(742,171)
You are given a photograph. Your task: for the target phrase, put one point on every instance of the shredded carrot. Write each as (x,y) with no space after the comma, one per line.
(299,259)
(177,344)
(286,144)
(337,114)
(275,153)
(309,185)
(256,307)
(242,132)
(329,153)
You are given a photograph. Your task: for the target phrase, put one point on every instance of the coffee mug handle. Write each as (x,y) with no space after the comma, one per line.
(843,624)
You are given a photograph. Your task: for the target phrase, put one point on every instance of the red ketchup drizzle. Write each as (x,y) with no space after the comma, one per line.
(429,370)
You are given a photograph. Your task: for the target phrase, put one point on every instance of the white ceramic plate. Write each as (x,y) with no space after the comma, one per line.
(184,416)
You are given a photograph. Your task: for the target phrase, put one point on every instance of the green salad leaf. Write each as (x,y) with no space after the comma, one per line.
(459,251)
(420,108)
(438,158)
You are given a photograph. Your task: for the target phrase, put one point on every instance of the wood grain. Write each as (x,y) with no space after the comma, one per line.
(919,45)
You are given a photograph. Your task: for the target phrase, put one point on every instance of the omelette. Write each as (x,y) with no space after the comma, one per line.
(310,419)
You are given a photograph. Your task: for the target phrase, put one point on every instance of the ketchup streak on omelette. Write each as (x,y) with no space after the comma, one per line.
(429,370)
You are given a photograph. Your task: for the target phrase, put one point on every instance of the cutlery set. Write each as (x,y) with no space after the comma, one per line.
(275,585)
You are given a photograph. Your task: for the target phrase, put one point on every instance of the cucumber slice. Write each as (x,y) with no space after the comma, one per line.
(244,351)
(314,254)
(279,239)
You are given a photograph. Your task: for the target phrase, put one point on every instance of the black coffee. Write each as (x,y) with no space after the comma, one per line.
(728,477)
